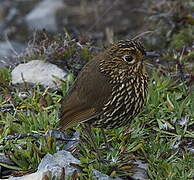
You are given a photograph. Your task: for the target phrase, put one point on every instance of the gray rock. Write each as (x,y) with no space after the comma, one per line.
(100,176)
(5,160)
(51,167)
(37,71)
(56,162)
(34,176)
(44,15)
(140,172)
(10,49)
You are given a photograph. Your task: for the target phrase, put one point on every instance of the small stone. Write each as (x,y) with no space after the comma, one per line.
(37,71)
(100,176)
(140,172)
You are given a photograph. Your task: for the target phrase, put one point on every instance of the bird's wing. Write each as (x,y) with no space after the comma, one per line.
(86,97)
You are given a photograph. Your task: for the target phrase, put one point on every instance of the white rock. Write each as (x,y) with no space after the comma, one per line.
(37,71)
(33,176)
(44,15)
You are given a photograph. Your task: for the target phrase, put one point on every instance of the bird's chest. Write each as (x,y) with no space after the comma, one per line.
(125,102)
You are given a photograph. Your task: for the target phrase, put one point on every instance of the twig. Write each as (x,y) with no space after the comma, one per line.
(142,34)
(22,136)
(181,70)
(35,135)
(180,66)
(6,108)
(10,45)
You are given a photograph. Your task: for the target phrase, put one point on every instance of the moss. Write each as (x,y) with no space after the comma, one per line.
(182,38)
(190,55)
(5,76)
(69,52)
(86,54)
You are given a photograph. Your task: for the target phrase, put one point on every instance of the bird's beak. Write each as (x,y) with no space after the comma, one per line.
(152,54)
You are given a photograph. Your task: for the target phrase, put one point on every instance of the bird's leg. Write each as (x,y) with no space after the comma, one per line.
(91,135)
(105,139)
(88,130)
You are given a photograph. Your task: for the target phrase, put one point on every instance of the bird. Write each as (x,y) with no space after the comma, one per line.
(110,90)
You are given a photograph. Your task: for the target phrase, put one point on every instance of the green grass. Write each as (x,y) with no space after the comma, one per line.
(152,136)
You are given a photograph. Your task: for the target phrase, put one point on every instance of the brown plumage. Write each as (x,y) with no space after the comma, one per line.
(110,90)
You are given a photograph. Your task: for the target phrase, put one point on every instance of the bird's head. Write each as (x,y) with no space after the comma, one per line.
(128,54)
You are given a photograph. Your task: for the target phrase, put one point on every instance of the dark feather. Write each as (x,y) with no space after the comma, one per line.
(86,97)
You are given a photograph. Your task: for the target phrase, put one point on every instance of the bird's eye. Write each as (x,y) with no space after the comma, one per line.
(128,58)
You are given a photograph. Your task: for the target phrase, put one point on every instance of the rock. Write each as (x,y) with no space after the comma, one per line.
(5,49)
(140,172)
(100,176)
(5,160)
(10,49)
(37,71)
(44,15)
(56,162)
(33,176)
(51,167)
